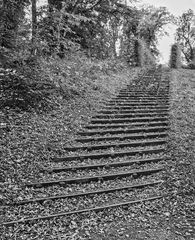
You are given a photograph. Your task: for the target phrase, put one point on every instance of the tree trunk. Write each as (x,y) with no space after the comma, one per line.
(8,24)
(34,25)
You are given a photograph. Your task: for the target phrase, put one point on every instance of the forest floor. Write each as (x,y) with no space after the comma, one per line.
(34,137)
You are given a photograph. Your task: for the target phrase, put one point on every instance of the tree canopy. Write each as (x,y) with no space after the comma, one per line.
(185,34)
(97,30)
(101,28)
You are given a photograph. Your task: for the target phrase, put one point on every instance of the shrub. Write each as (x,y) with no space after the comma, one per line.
(175,58)
(191,65)
(23,91)
(38,83)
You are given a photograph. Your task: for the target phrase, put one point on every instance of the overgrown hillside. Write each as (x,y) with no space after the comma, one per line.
(30,138)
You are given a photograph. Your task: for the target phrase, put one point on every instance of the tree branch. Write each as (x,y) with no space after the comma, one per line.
(94,5)
(75,5)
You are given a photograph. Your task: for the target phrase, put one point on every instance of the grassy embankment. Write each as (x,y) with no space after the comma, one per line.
(183,118)
(33,138)
(181,179)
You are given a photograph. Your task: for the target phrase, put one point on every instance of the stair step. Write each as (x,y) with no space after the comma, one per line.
(92,178)
(123,125)
(76,212)
(130,120)
(121,131)
(132,108)
(144,94)
(118,145)
(144,97)
(125,104)
(121,115)
(137,101)
(141,111)
(110,154)
(134,98)
(130,89)
(121,102)
(123,137)
(105,165)
(162,94)
(88,193)
(127,100)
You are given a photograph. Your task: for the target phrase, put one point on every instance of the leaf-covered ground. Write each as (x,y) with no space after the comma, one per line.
(30,139)
(181,173)
(172,218)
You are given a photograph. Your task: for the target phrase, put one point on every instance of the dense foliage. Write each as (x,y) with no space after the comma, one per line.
(99,29)
(185,34)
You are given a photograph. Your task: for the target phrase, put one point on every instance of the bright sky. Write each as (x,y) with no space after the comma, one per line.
(176,7)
